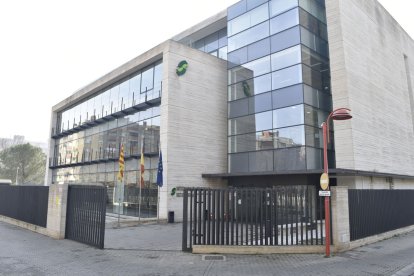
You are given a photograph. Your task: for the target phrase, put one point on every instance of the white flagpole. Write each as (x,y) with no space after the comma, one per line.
(119,199)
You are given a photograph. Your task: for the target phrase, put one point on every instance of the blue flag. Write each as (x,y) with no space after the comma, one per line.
(159,172)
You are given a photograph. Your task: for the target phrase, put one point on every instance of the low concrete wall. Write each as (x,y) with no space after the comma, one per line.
(255,250)
(374,239)
(26,225)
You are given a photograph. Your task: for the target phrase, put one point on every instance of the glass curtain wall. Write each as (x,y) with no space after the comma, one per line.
(89,156)
(278,85)
(140,87)
(214,44)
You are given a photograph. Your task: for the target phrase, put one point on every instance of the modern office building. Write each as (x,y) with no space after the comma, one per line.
(238,100)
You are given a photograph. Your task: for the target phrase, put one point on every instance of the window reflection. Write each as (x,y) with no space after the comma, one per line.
(120,96)
(104,141)
(249,36)
(284,21)
(248,19)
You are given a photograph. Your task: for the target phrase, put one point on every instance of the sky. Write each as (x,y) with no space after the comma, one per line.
(51,48)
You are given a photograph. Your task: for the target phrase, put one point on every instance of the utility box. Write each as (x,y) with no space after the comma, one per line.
(170,216)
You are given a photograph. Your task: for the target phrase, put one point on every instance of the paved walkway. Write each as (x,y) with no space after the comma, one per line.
(154,249)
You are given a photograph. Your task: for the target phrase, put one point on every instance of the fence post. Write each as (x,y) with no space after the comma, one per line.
(340,218)
(56,212)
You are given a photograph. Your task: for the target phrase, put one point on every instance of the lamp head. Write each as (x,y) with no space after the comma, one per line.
(341,114)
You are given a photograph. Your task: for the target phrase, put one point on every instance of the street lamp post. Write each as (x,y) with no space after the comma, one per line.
(338,114)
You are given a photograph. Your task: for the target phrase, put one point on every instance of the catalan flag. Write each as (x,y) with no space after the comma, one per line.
(121,164)
(142,164)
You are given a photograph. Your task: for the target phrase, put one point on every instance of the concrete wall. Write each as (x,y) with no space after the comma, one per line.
(370,54)
(193,123)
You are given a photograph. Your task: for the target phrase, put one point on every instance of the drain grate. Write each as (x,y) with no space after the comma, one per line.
(213,258)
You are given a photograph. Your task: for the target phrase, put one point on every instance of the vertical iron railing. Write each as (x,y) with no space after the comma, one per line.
(85,218)
(283,215)
(25,203)
(372,212)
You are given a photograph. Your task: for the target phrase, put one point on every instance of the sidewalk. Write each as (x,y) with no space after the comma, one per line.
(154,249)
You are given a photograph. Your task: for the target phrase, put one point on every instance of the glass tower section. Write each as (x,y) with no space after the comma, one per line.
(278,85)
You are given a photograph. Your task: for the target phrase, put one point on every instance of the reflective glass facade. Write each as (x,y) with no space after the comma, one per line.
(214,44)
(278,85)
(89,136)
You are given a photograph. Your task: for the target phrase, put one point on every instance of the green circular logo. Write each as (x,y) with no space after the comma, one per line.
(182,67)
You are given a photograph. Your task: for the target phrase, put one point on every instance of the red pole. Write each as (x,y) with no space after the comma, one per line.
(327,209)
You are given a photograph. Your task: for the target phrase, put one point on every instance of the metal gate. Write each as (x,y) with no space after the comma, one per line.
(86,210)
(283,215)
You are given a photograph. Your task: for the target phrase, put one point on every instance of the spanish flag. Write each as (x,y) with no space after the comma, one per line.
(142,164)
(121,164)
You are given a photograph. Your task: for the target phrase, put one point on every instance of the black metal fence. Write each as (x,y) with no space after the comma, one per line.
(86,211)
(283,215)
(373,212)
(25,203)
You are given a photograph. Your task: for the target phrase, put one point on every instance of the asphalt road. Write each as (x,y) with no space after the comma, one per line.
(154,249)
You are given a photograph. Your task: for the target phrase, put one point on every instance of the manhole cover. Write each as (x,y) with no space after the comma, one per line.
(213,258)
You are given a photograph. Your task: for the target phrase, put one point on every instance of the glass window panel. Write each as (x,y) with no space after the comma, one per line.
(251,123)
(285,39)
(258,49)
(248,19)
(199,44)
(289,137)
(239,162)
(124,101)
(242,143)
(290,159)
(291,95)
(211,42)
(316,79)
(313,24)
(279,6)
(314,158)
(106,103)
(317,98)
(222,53)
(250,87)
(261,161)
(288,116)
(314,42)
(284,21)
(115,99)
(286,77)
(222,37)
(263,120)
(237,57)
(259,103)
(249,36)
(286,58)
(314,117)
(236,9)
(238,108)
(158,80)
(313,8)
(314,60)
(134,88)
(314,137)
(147,79)
(77,115)
(251,4)
(90,109)
(249,70)
(83,112)
(264,140)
